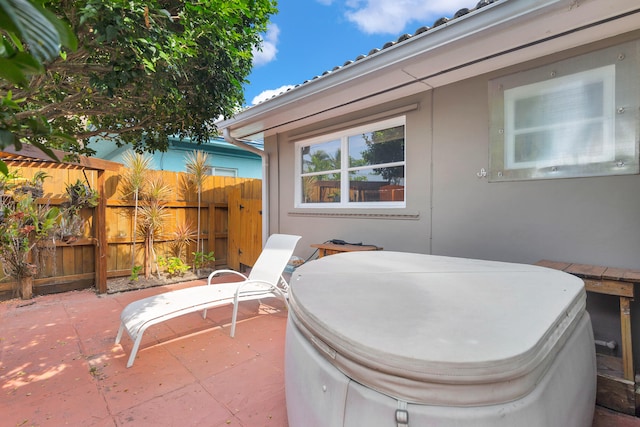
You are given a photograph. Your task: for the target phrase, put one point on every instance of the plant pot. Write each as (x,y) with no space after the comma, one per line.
(68,239)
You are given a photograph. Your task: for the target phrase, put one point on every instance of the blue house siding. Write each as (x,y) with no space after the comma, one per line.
(221,155)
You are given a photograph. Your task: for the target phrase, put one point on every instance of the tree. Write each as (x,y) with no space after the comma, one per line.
(29,36)
(385,146)
(319,160)
(144,70)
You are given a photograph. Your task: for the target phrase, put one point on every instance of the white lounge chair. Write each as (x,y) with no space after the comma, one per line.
(264,280)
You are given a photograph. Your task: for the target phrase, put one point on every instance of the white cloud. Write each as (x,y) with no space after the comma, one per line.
(392,16)
(270,93)
(269,47)
(325,2)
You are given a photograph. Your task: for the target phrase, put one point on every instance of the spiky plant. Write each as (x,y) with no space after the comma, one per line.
(153,215)
(197,169)
(183,236)
(133,183)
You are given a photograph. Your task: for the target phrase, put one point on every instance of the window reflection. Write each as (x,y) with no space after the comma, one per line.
(372,172)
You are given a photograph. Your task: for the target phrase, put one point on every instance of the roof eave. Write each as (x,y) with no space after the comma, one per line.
(499,35)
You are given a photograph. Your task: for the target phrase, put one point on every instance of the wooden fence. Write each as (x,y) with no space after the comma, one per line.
(72,266)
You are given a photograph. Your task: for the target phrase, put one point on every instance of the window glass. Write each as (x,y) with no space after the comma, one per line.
(372,176)
(321,157)
(218,171)
(321,188)
(372,148)
(572,118)
(564,121)
(377,185)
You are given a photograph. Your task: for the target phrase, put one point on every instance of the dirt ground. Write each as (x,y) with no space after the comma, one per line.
(123,284)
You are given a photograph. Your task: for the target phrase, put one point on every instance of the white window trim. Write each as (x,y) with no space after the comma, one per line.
(233,172)
(345,169)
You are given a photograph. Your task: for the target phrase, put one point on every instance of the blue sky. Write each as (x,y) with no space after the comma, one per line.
(309,37)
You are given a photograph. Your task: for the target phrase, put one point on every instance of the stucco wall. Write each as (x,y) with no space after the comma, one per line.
(594,220)
(591,220)
(393,229)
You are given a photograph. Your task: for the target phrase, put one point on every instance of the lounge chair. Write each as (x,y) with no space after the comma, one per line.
(265,280)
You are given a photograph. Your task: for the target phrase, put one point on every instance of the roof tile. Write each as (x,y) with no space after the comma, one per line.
(403,38)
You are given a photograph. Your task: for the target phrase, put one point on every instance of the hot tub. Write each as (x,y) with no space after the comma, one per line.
(385,338)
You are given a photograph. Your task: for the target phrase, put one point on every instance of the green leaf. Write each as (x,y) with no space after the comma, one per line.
(6,22)
(7,138)
(27,63)
(6,50)
(3,168)
(67,37)
(38,126)
(139,83)
(11,72)
(46,150)
(40,35)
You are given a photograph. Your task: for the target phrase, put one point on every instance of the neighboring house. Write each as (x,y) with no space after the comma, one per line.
(508,133)
(224,158)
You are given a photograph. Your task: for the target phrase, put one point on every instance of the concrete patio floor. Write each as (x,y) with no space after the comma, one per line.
(59,366)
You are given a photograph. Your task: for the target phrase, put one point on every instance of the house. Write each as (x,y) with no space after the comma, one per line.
(507,132)
(224,158)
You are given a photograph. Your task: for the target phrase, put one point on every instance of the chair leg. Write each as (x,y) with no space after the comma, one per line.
(233,319)
(119,336)
(134,350)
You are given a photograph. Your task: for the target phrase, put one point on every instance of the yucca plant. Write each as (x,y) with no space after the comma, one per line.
(133,183)
(153,215)
(197,169)
(183,235)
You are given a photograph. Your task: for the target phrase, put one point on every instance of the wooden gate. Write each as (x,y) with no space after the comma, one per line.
(245,230)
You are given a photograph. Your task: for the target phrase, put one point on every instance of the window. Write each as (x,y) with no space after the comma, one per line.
(561,122)
(372,174)
(569,119)
(220,171)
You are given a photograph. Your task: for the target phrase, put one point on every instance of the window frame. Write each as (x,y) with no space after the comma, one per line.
(604,75)
(615,132)
(343,137)
(229,172)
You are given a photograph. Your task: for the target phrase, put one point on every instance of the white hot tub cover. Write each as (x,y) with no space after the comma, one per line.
(477,332)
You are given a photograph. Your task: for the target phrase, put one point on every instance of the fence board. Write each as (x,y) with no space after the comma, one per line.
(77,261)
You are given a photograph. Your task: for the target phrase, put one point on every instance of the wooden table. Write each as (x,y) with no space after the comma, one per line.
(332,248)
(613,392)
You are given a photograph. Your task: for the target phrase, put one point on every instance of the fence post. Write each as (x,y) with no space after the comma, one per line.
(100,227)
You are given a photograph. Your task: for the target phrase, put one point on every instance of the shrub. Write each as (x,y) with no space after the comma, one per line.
(174,266)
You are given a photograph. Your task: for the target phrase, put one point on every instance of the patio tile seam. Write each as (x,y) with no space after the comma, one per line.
(86,360)
(142,404)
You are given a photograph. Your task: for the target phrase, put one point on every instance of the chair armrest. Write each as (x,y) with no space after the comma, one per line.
(217,272)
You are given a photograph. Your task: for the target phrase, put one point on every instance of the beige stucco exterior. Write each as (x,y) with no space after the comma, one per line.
(450,210)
